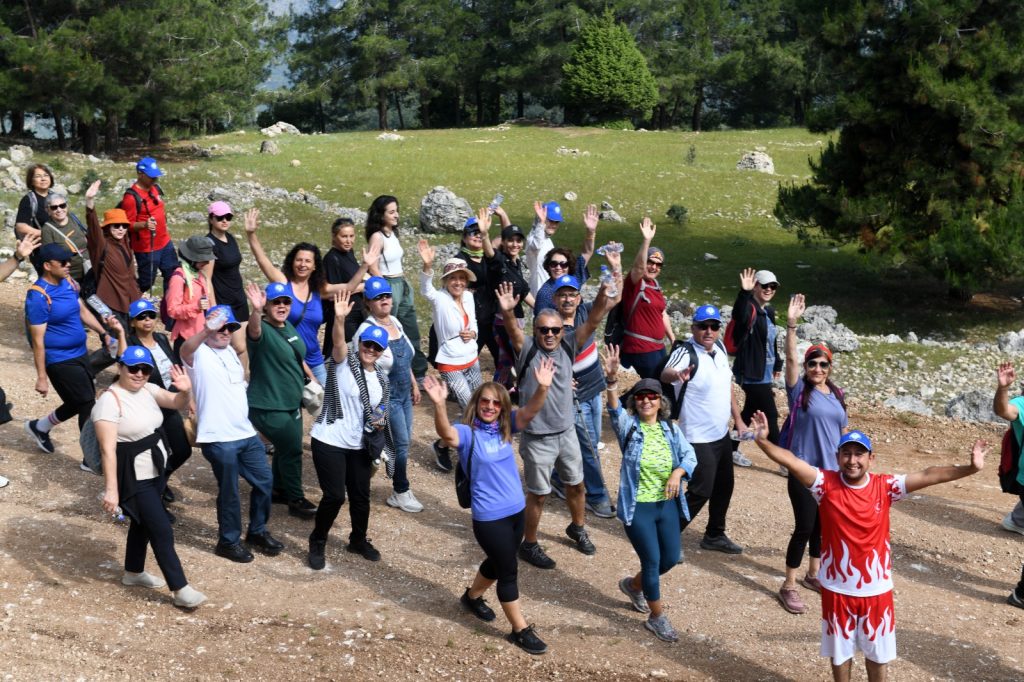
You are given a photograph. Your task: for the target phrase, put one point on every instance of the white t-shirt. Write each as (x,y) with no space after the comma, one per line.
(218,385)
(707,404)
(347,431)
(387,358)
(137,416)
(390,263)
(538,243)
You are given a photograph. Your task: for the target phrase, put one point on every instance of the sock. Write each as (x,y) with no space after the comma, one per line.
(48,422)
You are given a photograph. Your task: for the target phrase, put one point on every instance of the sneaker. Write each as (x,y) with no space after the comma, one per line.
(365,549)
(603,510)
(558,489)
(579,535)
(534,554)
(234,552)
(740,460)
(406,501)
(264,542)
(141,580)
(661,628)
(442,457)
(302,508)
(637,598)
(1014,600)
(791,600)
(277,497)
(721,544)
(42,439)
(478,607)
(316,558)
(188,597)
(1009,525)
(6,415)
(527,640)
(3,482)
(811,583)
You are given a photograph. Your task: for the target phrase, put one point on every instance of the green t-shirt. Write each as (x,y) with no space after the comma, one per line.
(276,376)
(655,464)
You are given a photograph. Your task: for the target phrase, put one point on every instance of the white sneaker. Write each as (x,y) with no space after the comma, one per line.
(739,460)
(141,580)
(406,501)
(188,597)
(3,482)
(1009,525)
(601,445)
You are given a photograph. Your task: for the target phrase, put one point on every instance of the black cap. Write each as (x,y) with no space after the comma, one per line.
(512,231)
(646,386)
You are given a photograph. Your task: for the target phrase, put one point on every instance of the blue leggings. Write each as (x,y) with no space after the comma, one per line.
(655,537)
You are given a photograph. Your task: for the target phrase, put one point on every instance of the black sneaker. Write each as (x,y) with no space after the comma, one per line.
(442,456)
(234,552)
(5,415)
(168,495)
(42,439)
(478,607)
(364,548)
(527,640)
(265,542)
(316,559)
(277,497)
(579,535)
(535,554)
(1014,600)
(721,544)
(302,508)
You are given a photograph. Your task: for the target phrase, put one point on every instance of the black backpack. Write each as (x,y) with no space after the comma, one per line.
(140,200)
(1009,464)
(524,366)
(675,393)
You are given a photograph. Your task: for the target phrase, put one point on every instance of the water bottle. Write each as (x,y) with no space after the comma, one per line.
(495,203)
(112,346)
(99,307)
(610,290)
(746,435)
(610,247)
(118,515)
(217,319)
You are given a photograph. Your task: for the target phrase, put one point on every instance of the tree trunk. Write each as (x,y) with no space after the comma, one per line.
(698,107)
(424,110)
(154,126)
(458,106)
(321,119)
(382,109)
(495,105)
(798,109)
(111,139)
(675,112)
(398,109)
(90,136)
(58,126)
(478,94)
(17,123)
(520,104)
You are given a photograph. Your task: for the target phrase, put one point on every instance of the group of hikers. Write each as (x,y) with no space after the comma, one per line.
(236,364)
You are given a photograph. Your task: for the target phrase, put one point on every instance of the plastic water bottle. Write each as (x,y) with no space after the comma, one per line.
(610,247)
(746,435)
(495,203)
(99,307)
(610,290)
(118,515)
(111,346)
(217,319)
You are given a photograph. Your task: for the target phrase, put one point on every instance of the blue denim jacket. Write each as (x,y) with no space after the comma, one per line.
(629,475)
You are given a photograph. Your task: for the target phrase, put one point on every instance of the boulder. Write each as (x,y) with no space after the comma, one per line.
(442,211)
(222,194)
(269,147)
(5,162)
(570,196)
(296,163)
(192,217)
(390,137)
(756,161)
(19,153)
(973,406)
(605,206)
(708,257)
(280,128)
(610,216)
(820,325)
(906,403)
(1011,342)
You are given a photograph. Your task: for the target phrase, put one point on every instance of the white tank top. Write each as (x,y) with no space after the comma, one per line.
(390,263)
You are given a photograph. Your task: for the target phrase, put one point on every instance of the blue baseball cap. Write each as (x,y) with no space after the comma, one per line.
(567,282)
(231,322)
(375,334)
(554,211)
(857,437)
(376,286)
(136,355)
(277,290)
(471,226)
(53,251)
(147,165)
(140,306)
(707,312)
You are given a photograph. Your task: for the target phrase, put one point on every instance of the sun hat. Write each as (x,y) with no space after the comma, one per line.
(707,312)
(375,287)
(140,306)
(567,282)
(376,335)
(115,216)
(453,265)
(147,165)
(857,437)
(554,211)
(219,208)
(763,277)
(276,290)
(230,321)
(197,248)
(136,355)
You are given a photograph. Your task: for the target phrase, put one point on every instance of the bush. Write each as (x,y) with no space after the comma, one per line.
(619,124)
(678,214)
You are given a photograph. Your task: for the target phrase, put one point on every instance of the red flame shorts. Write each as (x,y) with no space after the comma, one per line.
(851,624)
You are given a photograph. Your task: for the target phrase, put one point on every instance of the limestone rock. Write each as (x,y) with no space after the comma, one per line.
(390,137)
(269,147)
(973,406)
(19,153)
(280,128)
(611,216)
(442,211)
(757,161)
(906,403)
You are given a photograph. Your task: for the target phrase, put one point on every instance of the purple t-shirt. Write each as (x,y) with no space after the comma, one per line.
(494,476)
(816,432)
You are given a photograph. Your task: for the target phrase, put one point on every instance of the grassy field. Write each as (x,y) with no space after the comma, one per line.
(639,173)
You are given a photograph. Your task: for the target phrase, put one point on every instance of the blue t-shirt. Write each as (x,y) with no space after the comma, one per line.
(309,328)
(65,335)
(816,432)
(496,489)
(545,297)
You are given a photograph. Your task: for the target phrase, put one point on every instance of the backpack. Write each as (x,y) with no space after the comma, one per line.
(91,453)
(140,200)
(1009,464)
(675,393)
(732,344)
(165,316)
(617,321)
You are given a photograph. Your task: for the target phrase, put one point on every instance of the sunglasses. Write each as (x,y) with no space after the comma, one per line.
(118,227)
(822,364)
(283,300)
(385,297)
(563,264)
(489,402)
(704,326)
(549,331)
(371,346)
(648,397)
(148,315)
(566,294)
(655,263)
(144,370)
(64,262)
(226,218)
(769,287)
(226,329)
(58,207)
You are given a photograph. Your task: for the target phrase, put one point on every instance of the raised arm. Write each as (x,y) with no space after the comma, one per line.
(342,307)
(647,230)
(23,250)
(611,376)
(270,271)
(602,304)
(590,220)
(483,221)
(945,474)
(793,364)
(507,302)
(257,300)
(437,391)
(371,255)
(175,401)
(1001,405)
(804,472)
(544,373)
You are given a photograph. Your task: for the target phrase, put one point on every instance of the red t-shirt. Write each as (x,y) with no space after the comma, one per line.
(855,555)
(646,318)
(150,205)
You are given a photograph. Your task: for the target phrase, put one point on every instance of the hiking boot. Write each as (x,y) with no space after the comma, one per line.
(791,600)
(365,549)
(662,628)
(141,580)
(85,467)
(478,607)
(740,460)
(5,414)
(811,583)
(527,640)
(302,508)
(1009,525)
(1014,600)
(316,558)
(3,482)
(636,598)
(578,534)
(406,501)
(601,509)
(534,554)
(442,457)
(721,544)
(41,439)
(277,497)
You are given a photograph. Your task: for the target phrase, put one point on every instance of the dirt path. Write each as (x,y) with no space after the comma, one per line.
(66,616)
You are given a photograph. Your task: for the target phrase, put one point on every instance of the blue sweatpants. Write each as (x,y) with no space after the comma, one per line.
(655,537)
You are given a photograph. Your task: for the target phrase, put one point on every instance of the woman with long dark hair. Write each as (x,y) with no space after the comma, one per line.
(188,294)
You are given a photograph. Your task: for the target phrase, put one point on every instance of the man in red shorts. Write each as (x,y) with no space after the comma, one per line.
(856,561)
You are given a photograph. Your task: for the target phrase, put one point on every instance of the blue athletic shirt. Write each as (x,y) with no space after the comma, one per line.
(494,474)
(309,328)
(65,335)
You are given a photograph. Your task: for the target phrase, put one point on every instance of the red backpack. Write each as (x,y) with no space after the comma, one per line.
(732,344)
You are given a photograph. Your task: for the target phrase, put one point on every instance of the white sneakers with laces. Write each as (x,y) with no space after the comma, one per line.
(406,501)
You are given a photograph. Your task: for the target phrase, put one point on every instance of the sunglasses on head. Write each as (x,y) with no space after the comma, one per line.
(57,207)
(148,315)
(144,370)
(648,397)
(770,287)
(282,300)
(371,345)
(549,331)
(703,326)
(226,218)
(655,263)
(823,364)
(558,264)
(489,402)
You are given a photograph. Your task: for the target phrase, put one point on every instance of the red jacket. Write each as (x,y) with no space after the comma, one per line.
(139,209)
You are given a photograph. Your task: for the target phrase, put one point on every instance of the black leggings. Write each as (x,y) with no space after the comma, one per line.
(72,380)
(485,337)
(714,480)
(340,471)
(807,528)
(500,541)
(153,529)
(760,397)
(174,428)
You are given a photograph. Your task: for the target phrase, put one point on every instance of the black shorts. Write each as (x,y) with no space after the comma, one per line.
(73,380)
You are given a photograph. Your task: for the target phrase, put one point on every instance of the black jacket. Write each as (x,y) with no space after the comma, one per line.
(749,363)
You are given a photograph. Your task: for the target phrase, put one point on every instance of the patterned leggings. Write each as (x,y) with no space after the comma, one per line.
(463,382)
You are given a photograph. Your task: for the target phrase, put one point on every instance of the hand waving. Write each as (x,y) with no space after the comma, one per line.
(648,229)
(252,220)
(342,304)
(1006,374)
(747,279)
(797,306)
(436,390)
(545,372)
(427,253)
(506,296)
